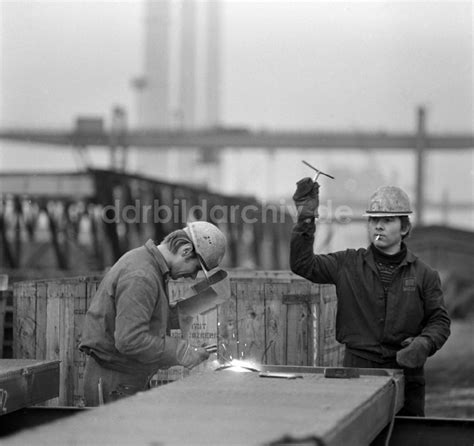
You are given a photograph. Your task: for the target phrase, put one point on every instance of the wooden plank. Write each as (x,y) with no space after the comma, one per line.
(268,275)
(332,353)
(53,332)
(61,334)
(203,330)
(15,324)
(227,329)
(299,326)
(250,300)
(3,308)
(67,291)
(80,309)
(41,318)
(25,325)
(275,322)
(316,326)
(177,289)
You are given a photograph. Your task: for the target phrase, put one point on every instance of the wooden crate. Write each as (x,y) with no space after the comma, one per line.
(273,317)
(276,317)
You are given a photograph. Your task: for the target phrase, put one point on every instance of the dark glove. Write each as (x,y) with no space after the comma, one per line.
(306,198)
(416,353)
(193,356)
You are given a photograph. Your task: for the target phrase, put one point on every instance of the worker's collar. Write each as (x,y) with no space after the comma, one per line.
(160,260)
(393,259)
(409,258)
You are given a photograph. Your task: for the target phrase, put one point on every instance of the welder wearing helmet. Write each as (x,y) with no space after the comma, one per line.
(126,330)
(390,307)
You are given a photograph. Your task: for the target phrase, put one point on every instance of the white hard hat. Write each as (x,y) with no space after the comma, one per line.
(209,242)
(388,201)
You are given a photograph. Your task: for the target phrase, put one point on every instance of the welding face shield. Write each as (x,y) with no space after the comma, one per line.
(206,294)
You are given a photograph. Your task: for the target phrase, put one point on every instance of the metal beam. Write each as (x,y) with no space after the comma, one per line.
(242,138)
(421,144)
(224,407)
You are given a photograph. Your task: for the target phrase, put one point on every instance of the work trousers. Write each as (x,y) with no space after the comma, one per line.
(106,385)
(414,382)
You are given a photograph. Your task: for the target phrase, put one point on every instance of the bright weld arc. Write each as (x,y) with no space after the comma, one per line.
(242,366)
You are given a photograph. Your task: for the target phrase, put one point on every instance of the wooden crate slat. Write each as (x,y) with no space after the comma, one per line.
(15,322)
(67,342)
(331,351)
(251,320)
(41,319)
(3,308)
(53,328)
(227,330)
(25,327)
(299,325)
(203,330)
(80,309)
(275,322)
(177,290)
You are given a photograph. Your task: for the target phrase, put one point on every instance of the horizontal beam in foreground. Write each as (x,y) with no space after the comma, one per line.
(226,407)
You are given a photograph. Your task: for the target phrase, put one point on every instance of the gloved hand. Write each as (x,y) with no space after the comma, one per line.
(306,198)
(415,353)
(193,356)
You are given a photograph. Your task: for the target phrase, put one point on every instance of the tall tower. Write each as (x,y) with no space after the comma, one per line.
(153,87)
(179,88)
(180,83)
(188,83)
(213,79)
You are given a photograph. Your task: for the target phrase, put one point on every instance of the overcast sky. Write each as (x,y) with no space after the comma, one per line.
(294,64)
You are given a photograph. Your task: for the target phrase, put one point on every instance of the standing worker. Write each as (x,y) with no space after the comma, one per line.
(125,330)
(390,306)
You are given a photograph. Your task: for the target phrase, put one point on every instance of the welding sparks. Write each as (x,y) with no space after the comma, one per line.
(227,361)
(243,366)
(240,366)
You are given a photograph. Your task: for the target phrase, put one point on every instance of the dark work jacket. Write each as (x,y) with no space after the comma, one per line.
(369,324)
(125,325)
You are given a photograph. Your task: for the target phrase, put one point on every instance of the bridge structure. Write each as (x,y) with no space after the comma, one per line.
(87,220)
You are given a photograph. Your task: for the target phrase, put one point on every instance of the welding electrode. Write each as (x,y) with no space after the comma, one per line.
(212,348)
(318,172)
